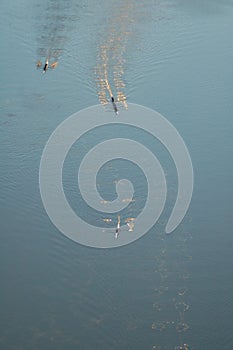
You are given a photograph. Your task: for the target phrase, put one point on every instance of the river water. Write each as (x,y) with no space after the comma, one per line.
(164,291)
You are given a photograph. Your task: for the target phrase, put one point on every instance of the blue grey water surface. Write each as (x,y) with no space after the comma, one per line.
(162,291)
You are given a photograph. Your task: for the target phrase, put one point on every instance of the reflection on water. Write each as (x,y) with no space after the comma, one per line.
(171,293)
(111,55)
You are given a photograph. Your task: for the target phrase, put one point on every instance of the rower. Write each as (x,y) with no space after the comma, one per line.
(114,105)
(118,226)
(46,66)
